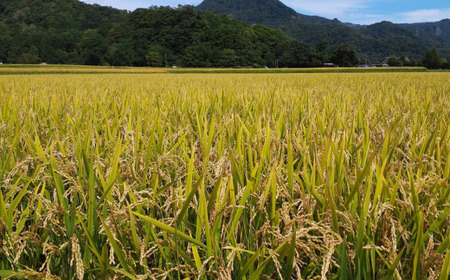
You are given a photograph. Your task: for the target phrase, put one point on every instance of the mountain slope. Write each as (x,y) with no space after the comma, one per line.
(72,32)
(440,28)
(271,13)
(377,41)
(391,39)
(64,14)
(33,31)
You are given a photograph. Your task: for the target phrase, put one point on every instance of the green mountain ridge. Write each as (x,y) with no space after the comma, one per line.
(33,31)
(72,32)
(440,28)
(267,12)
(377,41)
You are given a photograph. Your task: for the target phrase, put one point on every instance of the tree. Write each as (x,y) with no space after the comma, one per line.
(343,56)
(30,57)
(228,58)
(121,53)
(393,61)
(154,59)
(445,64)
(92,47)
(5,42)
(432,59)
(413,63)
(198,55)
(404,61)
(322,51)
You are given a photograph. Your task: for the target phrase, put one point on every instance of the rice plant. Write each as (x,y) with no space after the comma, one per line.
(223,176)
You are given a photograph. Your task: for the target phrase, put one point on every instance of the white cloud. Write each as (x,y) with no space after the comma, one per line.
(423,15)
(327,8)
(364,11)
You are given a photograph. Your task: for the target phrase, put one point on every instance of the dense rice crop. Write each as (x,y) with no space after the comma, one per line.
(18,69)
(295,176)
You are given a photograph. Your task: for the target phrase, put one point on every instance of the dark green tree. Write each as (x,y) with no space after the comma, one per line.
(393,61)
(403,61)
(445,64)
(30,57)
(121,53)
(228,58)
(92,47)
(154,59)
(344,56)
(198,55)
(432,59)
(322,51)
(5,42)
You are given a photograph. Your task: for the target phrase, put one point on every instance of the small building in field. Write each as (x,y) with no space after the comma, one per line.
(329,64)
(381,65)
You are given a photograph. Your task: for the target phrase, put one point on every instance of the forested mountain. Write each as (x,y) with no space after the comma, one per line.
(69,31)
(72,32)
(33,31)
(183,36)
(271,13)
(378,41)
(440,28)
(387,39)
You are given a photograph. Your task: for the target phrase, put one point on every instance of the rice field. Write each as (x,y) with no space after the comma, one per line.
(225,176)
(18,69)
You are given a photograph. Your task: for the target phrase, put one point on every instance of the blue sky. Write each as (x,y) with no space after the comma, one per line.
(355,11)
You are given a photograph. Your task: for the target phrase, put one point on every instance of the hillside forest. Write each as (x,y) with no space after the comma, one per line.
(72,32)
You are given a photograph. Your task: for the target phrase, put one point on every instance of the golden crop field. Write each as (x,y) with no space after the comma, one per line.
(18,69)
(225,176)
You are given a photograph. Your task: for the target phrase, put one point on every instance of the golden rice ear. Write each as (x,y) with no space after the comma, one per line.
(224,176)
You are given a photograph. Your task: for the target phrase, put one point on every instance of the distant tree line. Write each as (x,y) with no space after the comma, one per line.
(431,60)
(66,33)
(372,42)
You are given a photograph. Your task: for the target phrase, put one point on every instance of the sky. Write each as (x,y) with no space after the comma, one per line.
(354,11)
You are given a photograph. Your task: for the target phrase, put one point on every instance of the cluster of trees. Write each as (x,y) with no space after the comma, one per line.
(432,60)
(375,41)
(385,38)
(71,32)
(60,32)
(401,61)
(33,31)
(165,36)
